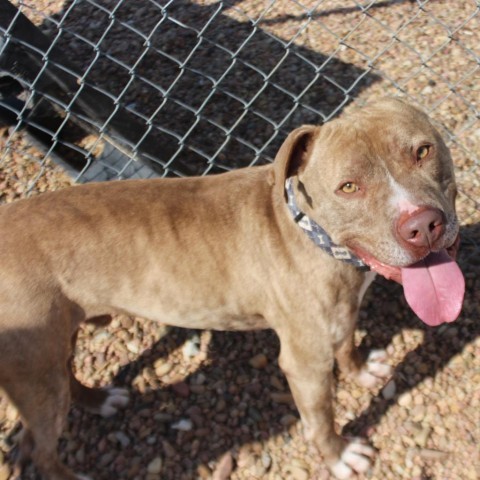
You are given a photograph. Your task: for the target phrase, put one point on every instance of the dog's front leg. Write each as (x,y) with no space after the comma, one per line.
(308,367)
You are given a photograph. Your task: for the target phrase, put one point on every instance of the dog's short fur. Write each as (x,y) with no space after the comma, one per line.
(220,252)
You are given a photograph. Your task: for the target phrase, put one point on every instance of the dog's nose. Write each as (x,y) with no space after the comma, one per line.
(422,228)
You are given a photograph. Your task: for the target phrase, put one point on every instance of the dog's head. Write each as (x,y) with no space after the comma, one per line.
(380,181)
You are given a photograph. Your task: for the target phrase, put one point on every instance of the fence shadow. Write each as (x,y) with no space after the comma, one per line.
(217,93)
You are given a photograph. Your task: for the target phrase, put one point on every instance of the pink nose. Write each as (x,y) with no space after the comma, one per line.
(422,228)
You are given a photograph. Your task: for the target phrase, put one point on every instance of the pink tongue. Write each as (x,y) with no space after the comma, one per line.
(434,288)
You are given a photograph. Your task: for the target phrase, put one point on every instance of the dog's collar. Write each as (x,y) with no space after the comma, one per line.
(318,235)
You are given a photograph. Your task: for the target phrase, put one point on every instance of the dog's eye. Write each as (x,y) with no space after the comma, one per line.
(422,152)
(349,187)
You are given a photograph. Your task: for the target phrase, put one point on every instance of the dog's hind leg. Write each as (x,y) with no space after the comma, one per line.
(102,401)
(43,403)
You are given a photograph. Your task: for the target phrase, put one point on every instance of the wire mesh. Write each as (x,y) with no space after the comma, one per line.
(122,89)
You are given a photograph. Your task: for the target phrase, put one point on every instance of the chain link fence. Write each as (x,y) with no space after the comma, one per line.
(94,90)
(138,88)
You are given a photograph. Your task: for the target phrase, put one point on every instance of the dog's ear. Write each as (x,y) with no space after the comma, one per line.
(294,153)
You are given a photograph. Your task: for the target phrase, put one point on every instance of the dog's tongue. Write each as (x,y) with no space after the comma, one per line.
(434,288)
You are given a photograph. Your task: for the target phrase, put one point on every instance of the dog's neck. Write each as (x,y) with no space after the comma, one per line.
(317,234)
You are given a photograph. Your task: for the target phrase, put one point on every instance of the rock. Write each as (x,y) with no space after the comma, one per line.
(297,473)
(259,361)
(266,460)
(181,389)
(254,389)
(106,459)
(153,476)
(133,347)
(80,455)
(245,459)
(224,467)
(122,438)
(405,400)
(163,417)
(169,451)
(276,383)
(282,397)
(258,470)
(430,454)
(421,436)
(198,379)
(288,420)
(389,390)
(184,425)
(100,338)
(198,389)
(162,368)
(155,466)
(191,348)
(204,472)
(151,440)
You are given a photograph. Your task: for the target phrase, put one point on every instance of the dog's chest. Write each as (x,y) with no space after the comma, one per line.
(345,312)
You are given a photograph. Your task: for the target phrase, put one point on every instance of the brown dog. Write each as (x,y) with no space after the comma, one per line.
(242,250)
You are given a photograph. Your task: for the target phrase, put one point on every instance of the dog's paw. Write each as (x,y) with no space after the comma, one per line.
(375,370)
(356,458)
(117,398)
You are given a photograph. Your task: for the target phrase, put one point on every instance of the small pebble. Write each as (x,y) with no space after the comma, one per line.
(224,467)
(162,368)
(389,390)
(155,466)
(181,389)
(191,348)
(259,361)
(185,425)
(405,400)
(122,438)
(297,473)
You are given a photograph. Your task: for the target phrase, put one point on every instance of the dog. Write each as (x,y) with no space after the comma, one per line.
(291,246)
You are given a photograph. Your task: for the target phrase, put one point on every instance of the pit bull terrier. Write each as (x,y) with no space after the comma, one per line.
(290,246)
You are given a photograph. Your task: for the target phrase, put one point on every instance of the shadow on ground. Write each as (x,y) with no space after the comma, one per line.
(215,93)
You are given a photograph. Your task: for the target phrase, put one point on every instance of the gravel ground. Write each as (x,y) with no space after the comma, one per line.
(215,405)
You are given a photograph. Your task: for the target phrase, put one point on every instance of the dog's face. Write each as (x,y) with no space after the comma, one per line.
(364,176)
(380,181)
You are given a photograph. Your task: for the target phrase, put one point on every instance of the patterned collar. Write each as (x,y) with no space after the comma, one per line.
(318,235)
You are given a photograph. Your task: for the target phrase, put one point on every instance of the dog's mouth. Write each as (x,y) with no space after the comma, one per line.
(434,286)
